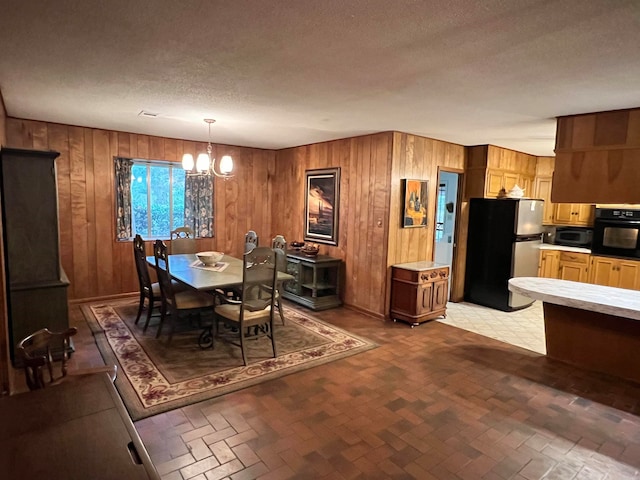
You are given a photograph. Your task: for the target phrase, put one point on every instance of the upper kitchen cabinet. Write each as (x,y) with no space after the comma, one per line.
(542,187)
(579,214)
(597,158)
(490,169)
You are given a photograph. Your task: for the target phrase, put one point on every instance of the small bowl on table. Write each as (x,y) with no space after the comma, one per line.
(209,258)
(310,250)
(296,245)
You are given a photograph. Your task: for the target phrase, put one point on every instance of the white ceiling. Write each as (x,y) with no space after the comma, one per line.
(283,73)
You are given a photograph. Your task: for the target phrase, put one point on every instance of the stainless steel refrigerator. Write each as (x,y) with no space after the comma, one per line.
(503,242)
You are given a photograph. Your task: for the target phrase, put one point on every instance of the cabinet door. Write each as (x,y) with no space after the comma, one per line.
(440,294)
(576,272)
(628,274)
(584,214)
(494,182)
(563,213)
(543,191)
(510,180)
(425,298)
(601,271)
(549,264)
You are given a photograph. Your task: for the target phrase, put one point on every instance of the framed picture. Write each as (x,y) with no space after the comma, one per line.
(414,204)
(322,199)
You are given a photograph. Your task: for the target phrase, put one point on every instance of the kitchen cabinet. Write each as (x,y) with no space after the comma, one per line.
(499,179)
(419,291)
(574,266)
(549,266)
(615,272)
(35,281)
(574,214)
(542,190)
(316,282)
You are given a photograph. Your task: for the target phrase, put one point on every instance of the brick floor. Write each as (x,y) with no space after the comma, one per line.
(432,402)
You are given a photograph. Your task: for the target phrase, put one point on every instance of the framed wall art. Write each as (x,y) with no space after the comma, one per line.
(414,204)
(322,201)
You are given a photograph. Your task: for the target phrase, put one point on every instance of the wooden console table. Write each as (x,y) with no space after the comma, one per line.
(76,430)
(419,291)
(316,280)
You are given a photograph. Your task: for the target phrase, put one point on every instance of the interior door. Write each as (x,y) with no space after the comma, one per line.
(446,210)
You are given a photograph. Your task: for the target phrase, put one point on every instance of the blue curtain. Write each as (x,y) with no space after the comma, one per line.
(198,204)
(123,197)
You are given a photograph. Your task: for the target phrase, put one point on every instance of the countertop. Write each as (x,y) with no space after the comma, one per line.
(551,246)
(619,302)
(420,266)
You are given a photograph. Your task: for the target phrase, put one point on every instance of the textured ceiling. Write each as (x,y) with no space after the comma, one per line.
(282,73)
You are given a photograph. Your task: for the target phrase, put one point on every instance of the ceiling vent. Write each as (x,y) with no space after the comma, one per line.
(144,113)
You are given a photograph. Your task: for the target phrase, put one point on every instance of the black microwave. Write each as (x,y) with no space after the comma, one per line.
(616,232)
(573,237)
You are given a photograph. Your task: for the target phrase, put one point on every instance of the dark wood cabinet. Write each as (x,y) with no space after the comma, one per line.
(36,284)
(419,291)
(316,282)
(77,430)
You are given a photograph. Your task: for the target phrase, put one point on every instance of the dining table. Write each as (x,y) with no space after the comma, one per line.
(187,269)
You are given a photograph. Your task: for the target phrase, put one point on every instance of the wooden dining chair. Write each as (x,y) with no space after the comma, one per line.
(149,291)
(251,316)
(45,351)
(250,241)
(183,240)
(279,245)
(189,302)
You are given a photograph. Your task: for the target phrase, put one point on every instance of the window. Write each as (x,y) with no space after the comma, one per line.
(157,198)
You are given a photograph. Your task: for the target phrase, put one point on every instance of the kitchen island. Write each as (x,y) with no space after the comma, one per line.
(590,326)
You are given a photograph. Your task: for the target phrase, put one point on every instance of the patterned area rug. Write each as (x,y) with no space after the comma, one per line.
(154,376)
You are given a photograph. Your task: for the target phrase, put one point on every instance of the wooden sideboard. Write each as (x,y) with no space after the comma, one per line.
(316,280)
(76,430)
(419,291)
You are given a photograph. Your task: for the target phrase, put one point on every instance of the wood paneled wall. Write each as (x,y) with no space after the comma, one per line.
(597,158)
(365,167)
(420,158)
(5,377)
(99,266)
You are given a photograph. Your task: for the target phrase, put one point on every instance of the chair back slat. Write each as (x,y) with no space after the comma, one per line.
(183,240)
(144,279)
(250,241)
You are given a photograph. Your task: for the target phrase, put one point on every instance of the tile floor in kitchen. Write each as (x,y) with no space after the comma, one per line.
(523,328)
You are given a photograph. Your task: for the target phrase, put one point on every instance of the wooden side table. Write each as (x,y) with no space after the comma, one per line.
(419,291)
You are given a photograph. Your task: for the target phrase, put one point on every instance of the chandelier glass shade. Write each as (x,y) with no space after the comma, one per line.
(205,164)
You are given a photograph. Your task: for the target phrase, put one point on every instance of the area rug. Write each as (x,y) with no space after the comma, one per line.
(155,376)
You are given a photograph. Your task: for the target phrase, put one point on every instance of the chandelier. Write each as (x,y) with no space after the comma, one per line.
(205,164)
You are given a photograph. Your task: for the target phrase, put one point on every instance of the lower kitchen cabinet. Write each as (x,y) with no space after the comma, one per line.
(549,266)
(615,272)
(574,266)
(419,291)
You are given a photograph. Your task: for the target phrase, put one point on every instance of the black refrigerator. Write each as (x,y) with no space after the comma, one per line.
(503,242)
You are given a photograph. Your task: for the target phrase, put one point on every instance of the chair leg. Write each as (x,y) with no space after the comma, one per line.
(244,354)
(140,307)
(149,311)
(273,339)
(163,313)
(279,305)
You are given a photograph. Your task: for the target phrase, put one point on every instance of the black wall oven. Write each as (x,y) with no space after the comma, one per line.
(616,232)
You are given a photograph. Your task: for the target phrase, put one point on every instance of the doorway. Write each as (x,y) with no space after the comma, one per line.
(446,213)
